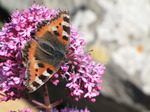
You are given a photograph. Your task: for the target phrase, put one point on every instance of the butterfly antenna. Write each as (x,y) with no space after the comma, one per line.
(89,52)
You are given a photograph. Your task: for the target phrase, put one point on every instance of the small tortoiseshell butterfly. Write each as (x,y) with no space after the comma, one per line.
(47,50)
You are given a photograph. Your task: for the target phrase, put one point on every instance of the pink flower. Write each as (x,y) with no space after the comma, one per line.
(13,37)
(67,109)
(83,74)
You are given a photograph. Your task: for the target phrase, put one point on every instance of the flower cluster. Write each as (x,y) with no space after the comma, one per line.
(84,74)
(13,37)
(66,109)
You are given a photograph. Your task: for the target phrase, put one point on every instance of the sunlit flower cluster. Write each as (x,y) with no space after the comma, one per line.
(84,75)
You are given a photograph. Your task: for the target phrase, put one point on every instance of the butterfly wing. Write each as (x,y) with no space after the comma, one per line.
(40,66)
(59,28)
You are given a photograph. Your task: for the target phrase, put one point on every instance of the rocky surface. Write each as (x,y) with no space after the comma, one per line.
(119,33)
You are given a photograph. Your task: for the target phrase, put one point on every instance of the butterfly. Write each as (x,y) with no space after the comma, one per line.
(45,52)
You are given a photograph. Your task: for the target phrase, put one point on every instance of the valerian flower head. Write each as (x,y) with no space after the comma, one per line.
(84,75)
(13,37)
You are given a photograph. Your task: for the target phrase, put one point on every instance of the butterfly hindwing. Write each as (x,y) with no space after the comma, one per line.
(40,66)
(38,73)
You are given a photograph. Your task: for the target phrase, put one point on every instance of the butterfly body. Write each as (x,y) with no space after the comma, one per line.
(45,52)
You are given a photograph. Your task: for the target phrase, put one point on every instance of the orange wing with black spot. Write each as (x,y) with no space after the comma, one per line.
(58,27)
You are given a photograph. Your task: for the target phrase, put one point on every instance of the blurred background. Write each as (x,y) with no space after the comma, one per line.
(118,32)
